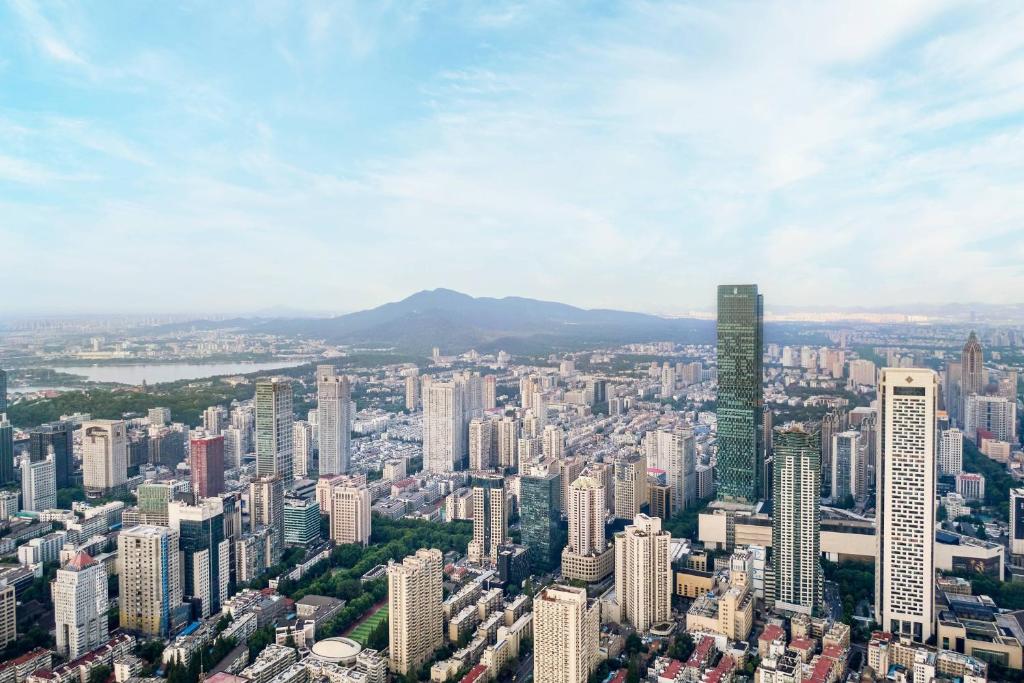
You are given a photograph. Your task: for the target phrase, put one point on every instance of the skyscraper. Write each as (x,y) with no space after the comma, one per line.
(482,444)
(415,618)
(849,465)
(951,452)
(58,437)
(539,503)
(740,394)
(490,518)
(972,367)
(207,456)
(334,420)
(266,508)
(8,614)
(796,519)
(80,605)
(444,426)
(104,455)
(490,392)
(3,391)
(302,449)
(6,451)
(905,560)
(1017,522)
(993,414)
(301,521)
(206,554)
(38,485)
(350,514)
(677,456)
(565,635)
(630,485)
(643,573)
(149,579)
(274,417)
(412,393)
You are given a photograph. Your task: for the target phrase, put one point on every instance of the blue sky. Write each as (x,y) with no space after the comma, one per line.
(226,157)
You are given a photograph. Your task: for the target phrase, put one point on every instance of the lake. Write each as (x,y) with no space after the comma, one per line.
(155,373)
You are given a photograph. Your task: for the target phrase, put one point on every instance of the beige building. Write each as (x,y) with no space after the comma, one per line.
(8,616)
(587,556)
(415,618)
(266,508)
(149,579)
(643,573)
(630,485)
(490,518)
(104,455)
(350,515)
(565,638)
(80,606)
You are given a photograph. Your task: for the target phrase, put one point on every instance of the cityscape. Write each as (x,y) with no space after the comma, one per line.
(517,341)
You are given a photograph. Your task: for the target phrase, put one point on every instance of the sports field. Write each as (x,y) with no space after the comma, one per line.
(362,632)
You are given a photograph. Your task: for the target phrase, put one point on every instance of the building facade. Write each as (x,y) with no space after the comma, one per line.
(80,605)
(274,432)
(415,617)
(565,635)
(643,573)
(104,455)
(149,579)
(334,420)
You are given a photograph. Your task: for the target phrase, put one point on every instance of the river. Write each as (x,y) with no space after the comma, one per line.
(155,373)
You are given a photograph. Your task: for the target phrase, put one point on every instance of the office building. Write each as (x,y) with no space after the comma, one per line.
(972,371)
(951,452)
(482,444)
(104,455)
(274,432)
(266,508)
(55,437)
(38,485)
(540,519)
(350,514)
(149,579)
(971,486)
(643,573)
(796,519)
(302,449)
(661,499)
(490,518)
(587,556)
(334,420)
(205,552)
(905,560)
(630,482)
(444,426)
(80,605)
(6,451)
(740,395)
(415,617)
(301,521)
(3,391)
(565,635)
(207,457)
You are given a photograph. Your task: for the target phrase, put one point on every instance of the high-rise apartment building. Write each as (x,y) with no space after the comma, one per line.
(490,518)
(863,372)
(951,452)
(149,579)
(38,485)
(668,380)
(831,424)
(274,417)
(412,393)
(215,418)
(905,517)
(643,573)
(630,485)
(415,617)
(56,438)
(490,389)
(993,414)
(849,466)
(80,605)
(482,444)
(796,519)
(266,508)
(104,455)
(565,635)
(508,442)
(205,552)
(8,614)
(587,556)
(302,449)
(676,454)
(334,420)
(444,426)
(740,394)
(350,514)
(207,456)
(553,442)
(540,517)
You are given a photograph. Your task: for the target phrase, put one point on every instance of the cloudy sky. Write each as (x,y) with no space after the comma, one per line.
(332,156)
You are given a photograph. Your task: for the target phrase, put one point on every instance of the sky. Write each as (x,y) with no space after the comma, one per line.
(234,157)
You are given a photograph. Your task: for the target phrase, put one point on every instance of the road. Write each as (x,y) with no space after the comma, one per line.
(524,672)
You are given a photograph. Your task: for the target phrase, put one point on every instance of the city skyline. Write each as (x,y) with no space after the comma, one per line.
(682,142)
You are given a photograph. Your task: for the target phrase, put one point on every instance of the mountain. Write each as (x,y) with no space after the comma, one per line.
(456,322)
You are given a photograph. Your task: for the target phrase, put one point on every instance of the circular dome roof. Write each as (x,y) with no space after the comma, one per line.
(337,650)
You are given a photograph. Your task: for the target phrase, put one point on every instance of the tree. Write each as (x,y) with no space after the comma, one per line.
(633,644)
(682,647)
(99,674)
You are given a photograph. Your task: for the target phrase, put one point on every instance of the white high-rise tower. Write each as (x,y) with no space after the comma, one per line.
(905,560)
(334,420)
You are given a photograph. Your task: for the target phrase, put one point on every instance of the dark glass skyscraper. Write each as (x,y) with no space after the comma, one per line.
(740,393)
(205,552)
(6,451)
(540,497)
(56,435)
(3,391)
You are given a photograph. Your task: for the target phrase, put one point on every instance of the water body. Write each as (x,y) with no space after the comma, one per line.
(155,373)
